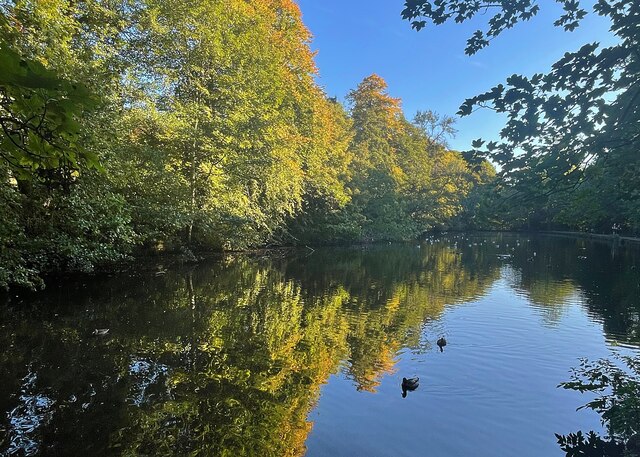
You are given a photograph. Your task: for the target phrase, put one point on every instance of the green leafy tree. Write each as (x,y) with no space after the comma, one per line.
(39,116)
(618,393)
(405,180)
(582,114)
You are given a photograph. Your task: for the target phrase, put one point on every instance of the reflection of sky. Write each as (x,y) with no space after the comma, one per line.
(429,70)
(33,410)
(146,374)
(492,392)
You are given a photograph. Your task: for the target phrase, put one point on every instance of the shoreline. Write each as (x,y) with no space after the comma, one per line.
(162,261)
(615,238)
(622,239)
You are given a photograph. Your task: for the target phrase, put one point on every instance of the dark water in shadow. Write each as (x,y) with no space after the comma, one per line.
(306,352)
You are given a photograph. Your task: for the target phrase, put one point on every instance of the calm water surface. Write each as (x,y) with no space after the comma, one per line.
(304,352)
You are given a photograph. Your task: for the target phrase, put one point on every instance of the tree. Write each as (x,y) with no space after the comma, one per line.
(437,127)
(438,179)
(616,387)
(402,179)
(378,126)
(243,119)
(39,116)
(584,113)
(57,85)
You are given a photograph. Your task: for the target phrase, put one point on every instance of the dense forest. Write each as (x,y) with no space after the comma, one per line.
(141,126)
(138,126)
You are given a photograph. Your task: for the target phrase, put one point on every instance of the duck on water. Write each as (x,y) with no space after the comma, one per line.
(409,385)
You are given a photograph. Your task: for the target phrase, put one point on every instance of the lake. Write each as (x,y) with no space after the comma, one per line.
(303,352)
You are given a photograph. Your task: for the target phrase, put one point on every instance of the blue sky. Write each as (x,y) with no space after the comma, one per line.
(428,69)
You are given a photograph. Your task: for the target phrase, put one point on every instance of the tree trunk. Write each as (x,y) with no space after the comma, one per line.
(193,185)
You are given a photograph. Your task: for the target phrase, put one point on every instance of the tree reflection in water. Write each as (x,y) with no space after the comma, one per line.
(229,358)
